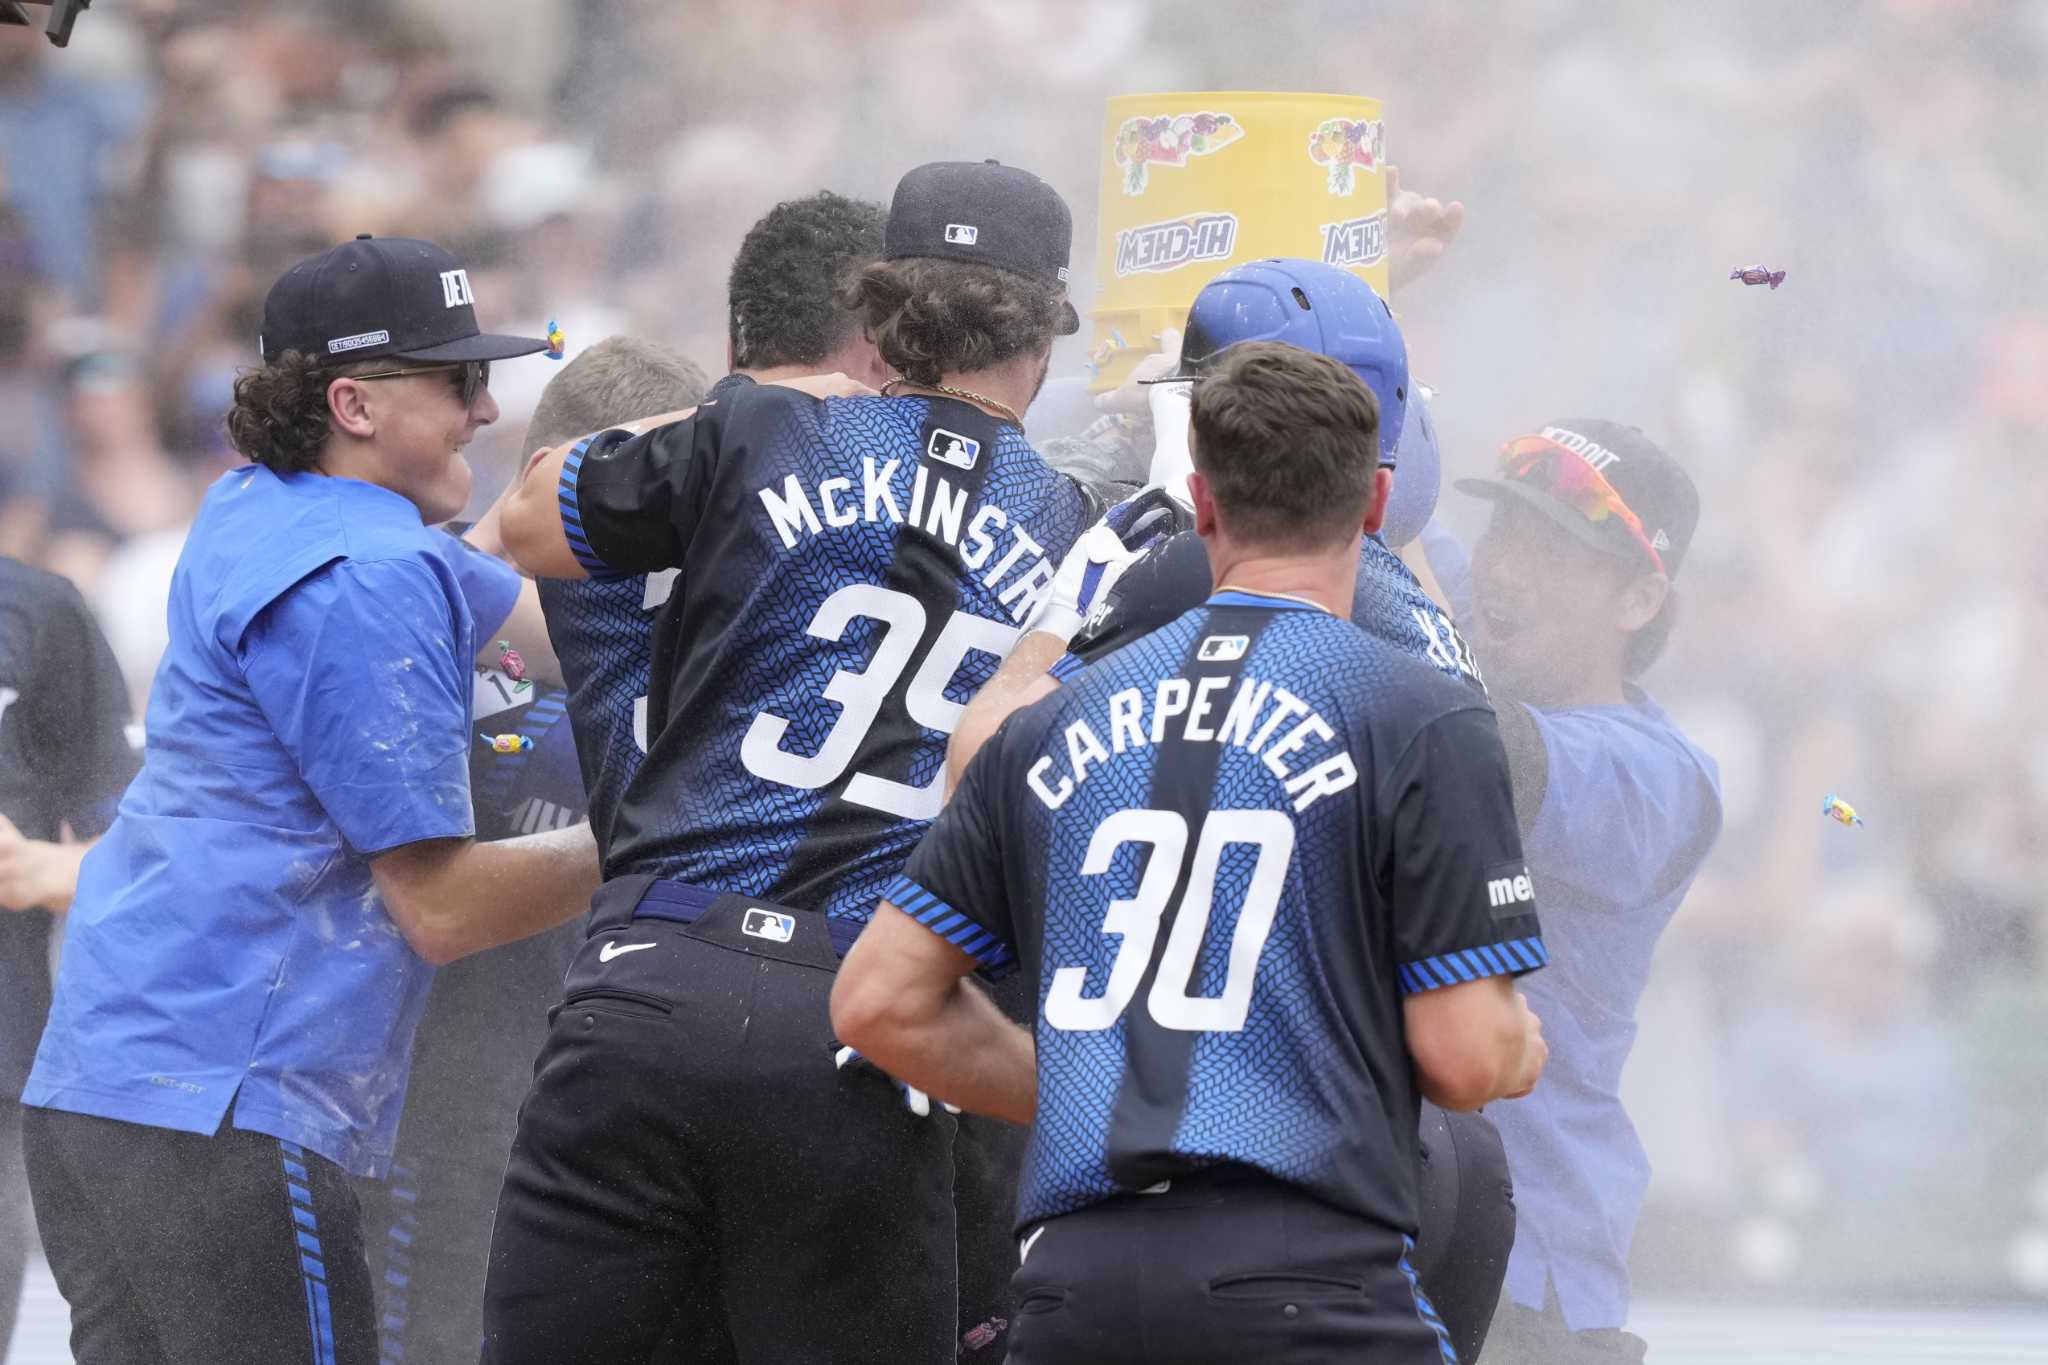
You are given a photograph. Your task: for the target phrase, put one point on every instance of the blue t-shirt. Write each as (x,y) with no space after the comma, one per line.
(1630,809)
(227,951)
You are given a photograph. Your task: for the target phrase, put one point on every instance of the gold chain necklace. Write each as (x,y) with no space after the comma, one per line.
(888,391)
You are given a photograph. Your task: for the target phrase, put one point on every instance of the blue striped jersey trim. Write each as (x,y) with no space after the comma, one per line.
(572,515)
(992,953)
(1239,597)
(1511,958)
(1424,1309)
(312,1265)
(1066,666)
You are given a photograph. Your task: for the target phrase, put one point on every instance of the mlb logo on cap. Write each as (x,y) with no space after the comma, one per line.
(962,234)
(950,447)
(769,924)
(1222,649)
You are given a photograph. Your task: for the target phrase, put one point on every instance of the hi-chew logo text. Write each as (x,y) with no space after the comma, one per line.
(1356,241)
(1159,247)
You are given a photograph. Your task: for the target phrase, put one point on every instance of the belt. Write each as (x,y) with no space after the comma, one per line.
(630,898)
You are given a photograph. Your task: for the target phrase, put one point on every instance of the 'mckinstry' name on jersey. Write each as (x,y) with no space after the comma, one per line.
(1179,709)
(1021,573)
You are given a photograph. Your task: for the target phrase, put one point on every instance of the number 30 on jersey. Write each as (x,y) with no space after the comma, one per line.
(1136,920)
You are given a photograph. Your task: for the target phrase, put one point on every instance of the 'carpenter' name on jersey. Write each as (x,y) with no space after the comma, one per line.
(1179,708)
(937,507)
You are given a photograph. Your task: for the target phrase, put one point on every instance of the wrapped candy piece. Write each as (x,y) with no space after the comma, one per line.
(984,1334)
(1835,808)
(556,341)
(1758,274)
(507,744)
(1102,351)
(514,666)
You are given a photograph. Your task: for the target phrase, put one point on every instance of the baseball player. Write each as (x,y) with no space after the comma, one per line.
(1249,862)
(689,1151)
(1468,1217)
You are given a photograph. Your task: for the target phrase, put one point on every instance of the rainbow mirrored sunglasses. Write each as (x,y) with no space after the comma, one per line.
(471,377)
(1564,476)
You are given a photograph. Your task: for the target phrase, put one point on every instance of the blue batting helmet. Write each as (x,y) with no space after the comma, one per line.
(1311,305)
(1418,477)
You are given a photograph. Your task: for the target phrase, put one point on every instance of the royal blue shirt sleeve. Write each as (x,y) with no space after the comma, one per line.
(1451,563)
(954,884)
(1463,904)
(489,585)
(1624,800)
(361,672)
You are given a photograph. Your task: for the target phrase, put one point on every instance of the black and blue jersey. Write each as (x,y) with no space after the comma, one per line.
(602,630)
(1225,853)
(852,570)
(602,633)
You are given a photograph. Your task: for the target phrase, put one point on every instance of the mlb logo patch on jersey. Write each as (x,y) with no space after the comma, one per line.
(772,925)
(1222,649)
(950,447)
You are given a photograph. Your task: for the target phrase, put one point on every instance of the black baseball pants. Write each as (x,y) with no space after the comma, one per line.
(1221,1268)
(181,1249)
(693,1177)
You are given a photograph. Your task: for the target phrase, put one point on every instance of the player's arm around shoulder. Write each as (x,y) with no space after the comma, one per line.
(541,518)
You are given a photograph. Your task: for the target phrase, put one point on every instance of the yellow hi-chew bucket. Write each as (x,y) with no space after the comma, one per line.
(1194,183)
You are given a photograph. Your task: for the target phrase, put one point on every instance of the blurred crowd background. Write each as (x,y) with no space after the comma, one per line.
(1844,1049)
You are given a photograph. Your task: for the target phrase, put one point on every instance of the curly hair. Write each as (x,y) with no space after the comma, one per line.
(931,317)
(279,417)
(780,308)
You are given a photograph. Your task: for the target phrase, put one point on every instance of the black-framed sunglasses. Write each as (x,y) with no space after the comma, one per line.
(471,377)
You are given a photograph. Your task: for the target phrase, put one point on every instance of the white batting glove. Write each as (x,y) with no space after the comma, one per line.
(1097,560)
(1172,461)
(915,1100)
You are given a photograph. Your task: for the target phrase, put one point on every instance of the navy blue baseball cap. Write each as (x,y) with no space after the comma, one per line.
(989,214)
(381,296)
